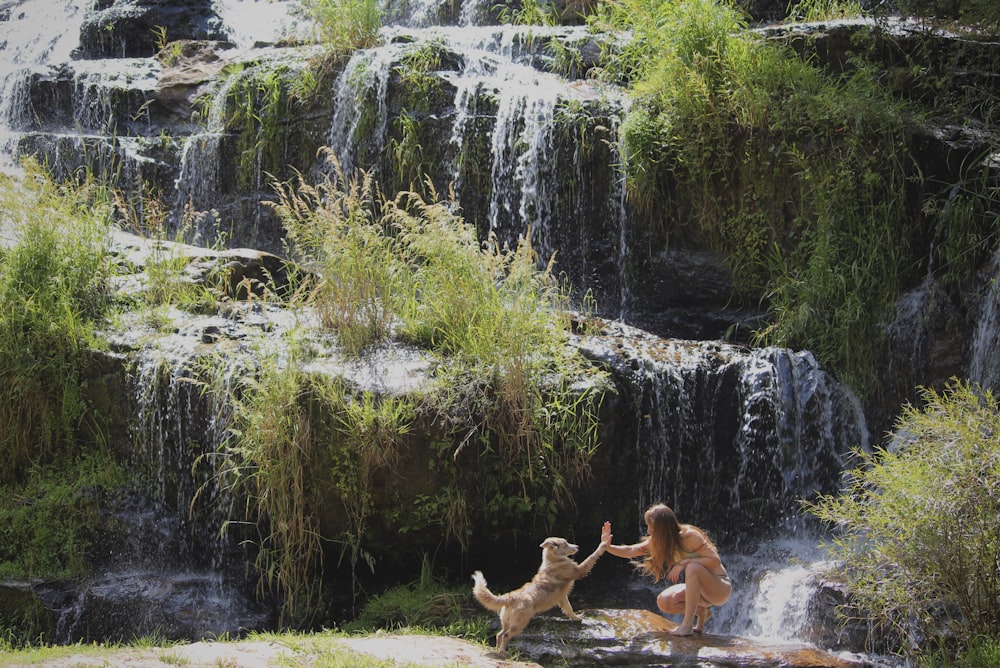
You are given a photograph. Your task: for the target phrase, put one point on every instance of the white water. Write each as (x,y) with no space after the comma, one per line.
(197,183)
(38,33)
(250,22)
(365,81)
(984,367)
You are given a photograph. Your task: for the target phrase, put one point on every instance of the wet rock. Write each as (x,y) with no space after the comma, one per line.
(119,607)
(189,68)
(22,612)
(237,273)
(689,294)
(134,28)
(629,637)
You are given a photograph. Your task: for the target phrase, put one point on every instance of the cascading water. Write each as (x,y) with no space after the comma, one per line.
(250,22)
(34,35)
(538,171)
(197,183)
(167,565)
(984,367)
(733,439)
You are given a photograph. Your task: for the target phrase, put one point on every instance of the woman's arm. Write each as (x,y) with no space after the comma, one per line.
(702,551)
(627,551)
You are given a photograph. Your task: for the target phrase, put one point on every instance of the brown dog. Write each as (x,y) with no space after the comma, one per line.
(550,587)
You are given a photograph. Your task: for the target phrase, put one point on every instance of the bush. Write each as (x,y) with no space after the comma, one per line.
(425,604)
(916,528)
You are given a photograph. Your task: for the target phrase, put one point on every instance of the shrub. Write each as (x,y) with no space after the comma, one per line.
(916,527)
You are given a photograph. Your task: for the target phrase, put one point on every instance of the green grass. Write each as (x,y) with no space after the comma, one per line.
(345,25)
(54,288)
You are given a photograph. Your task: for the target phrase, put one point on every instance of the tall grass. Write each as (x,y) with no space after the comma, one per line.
(345,25)
(53,288)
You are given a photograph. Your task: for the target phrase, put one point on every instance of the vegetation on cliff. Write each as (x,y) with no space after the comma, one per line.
(55,275)
(803,178)
(54,287)
(511,415)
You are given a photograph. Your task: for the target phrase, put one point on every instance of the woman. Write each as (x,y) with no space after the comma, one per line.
(670,549)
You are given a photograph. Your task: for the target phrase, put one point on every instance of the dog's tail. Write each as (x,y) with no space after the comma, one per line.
(488,599)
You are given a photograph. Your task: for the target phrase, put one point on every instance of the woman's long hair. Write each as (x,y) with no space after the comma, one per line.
(664,541)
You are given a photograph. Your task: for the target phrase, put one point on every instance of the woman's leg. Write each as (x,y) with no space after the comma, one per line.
(671,600)
(700,587)
(702,614)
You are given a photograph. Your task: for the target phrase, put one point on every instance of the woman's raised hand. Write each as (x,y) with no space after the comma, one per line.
(606,534)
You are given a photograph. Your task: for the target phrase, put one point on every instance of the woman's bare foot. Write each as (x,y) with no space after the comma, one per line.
(681,631)
(703,614)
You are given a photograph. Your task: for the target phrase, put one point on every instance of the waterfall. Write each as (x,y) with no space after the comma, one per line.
(178,432)
(362,86)
(34,35)
(984,367)
(732,439)
(251,22)
(738,437)
(197,183)
(523,148)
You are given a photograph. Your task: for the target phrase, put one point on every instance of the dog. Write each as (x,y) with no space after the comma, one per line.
(550,587)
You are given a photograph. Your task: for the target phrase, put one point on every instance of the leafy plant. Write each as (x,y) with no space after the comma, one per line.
(528,13)
(916,530)
(48,521)
(824,10)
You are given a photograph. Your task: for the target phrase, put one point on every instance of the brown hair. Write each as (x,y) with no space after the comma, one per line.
(664,541)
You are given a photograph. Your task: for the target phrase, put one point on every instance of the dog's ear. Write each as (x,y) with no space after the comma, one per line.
(548,542)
